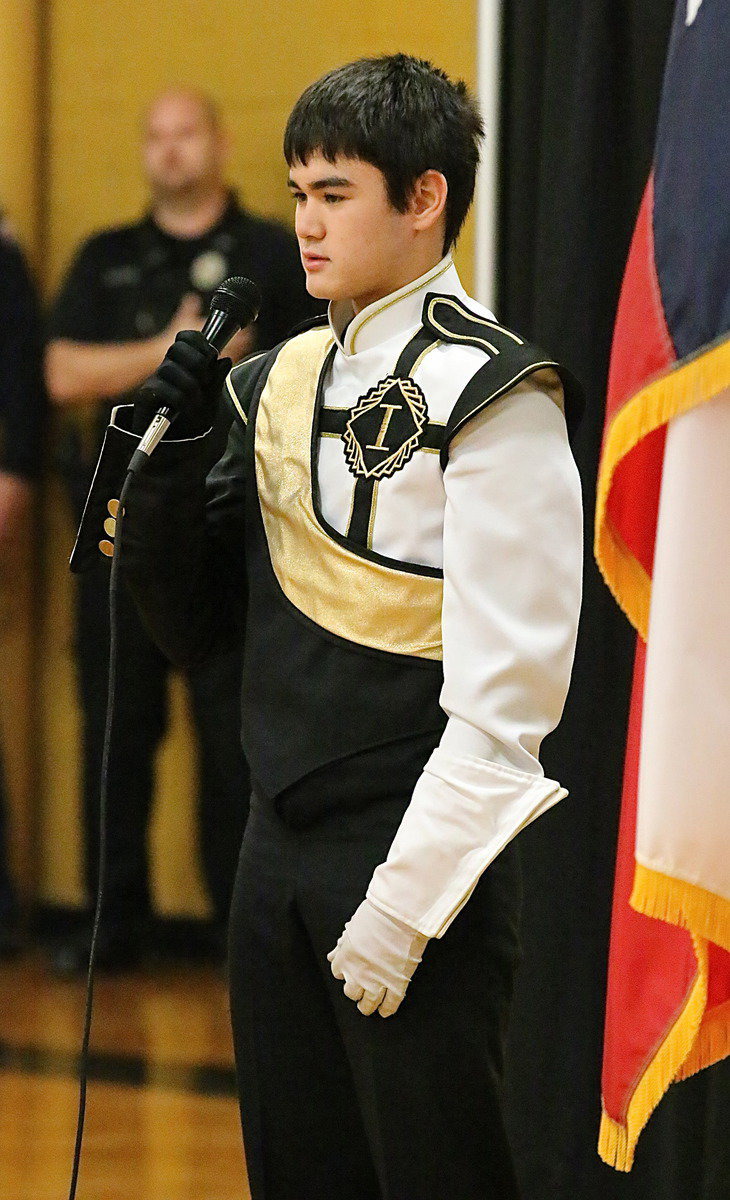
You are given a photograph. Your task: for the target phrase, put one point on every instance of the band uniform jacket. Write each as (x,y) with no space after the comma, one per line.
(399,482)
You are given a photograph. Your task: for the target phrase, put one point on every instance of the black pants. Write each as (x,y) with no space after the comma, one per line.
(140,721)
(335,1104)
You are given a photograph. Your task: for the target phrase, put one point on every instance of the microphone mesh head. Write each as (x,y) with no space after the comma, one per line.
(238,296)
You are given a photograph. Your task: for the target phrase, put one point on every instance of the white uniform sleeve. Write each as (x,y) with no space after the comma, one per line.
(513,536)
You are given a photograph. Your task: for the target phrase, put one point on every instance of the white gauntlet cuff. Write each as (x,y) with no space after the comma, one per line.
(463,812)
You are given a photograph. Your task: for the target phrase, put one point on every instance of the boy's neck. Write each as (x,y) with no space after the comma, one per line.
(416,269)
(400,308)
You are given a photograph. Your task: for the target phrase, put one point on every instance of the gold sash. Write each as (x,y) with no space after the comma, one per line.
(366,602)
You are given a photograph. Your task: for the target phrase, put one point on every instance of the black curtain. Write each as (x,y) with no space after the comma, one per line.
(581,87)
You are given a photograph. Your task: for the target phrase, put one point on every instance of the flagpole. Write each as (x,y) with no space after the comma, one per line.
(489,31)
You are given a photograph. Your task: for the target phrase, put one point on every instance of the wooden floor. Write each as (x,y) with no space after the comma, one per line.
(161,1120)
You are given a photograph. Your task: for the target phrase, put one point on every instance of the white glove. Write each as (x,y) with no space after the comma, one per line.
(376,956)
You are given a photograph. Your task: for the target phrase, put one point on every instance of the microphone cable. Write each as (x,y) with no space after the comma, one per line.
(103,794)
(234,305)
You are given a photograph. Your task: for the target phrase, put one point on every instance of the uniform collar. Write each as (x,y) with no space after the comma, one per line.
(392,314)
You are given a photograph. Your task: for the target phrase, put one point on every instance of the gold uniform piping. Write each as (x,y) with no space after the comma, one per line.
(397,299)
(229,384)
(362,601)
(371,522)
(420,359)
(236,401)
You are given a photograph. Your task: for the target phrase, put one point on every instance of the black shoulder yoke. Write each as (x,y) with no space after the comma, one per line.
(252,371)
(510,359)
(310,323)
(242,380)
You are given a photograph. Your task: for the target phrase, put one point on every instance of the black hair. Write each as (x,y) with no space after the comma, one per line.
(402,115)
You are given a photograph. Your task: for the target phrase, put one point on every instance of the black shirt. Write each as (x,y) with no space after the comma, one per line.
(22,395)
(127,282)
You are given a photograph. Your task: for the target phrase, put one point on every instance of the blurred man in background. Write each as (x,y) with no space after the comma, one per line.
(127,294)
(22,407)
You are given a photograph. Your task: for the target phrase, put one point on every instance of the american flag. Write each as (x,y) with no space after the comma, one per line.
(663,544)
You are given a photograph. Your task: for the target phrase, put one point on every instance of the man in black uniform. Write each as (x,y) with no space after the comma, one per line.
(22,413)
(395,529)
(127,293)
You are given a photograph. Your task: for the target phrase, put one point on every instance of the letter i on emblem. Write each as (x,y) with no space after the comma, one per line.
(387,417)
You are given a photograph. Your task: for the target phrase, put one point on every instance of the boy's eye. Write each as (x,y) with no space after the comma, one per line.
(298,196)
(333,198)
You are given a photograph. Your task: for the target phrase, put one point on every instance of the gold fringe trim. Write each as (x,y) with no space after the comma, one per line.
(617,1140)
(613,1144)
(696,1039)
(712,1043)
(692,1042)
(683,386)
(703,913)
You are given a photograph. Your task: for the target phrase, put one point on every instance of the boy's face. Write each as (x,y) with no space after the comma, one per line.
(354,244)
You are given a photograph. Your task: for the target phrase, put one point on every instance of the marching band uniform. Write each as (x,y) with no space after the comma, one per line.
(396,528)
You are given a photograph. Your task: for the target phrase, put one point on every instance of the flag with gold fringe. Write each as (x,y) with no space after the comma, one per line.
(663,545)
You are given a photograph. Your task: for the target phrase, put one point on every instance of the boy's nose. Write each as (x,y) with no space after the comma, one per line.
(308,226)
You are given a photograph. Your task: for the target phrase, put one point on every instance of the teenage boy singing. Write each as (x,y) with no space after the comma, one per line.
(395,531)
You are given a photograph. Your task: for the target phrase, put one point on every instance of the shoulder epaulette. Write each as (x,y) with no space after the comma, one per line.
(510,359)
(453,321)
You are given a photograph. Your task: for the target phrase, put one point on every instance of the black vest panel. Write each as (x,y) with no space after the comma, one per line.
(327,723)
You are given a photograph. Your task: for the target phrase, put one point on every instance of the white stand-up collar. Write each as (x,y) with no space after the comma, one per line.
(392,314)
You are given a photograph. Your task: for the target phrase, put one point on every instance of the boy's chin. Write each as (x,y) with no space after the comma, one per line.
(319,290)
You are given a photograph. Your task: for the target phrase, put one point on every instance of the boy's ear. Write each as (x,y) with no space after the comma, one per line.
(428,199)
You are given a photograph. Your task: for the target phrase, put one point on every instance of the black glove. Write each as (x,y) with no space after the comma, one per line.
(188,381)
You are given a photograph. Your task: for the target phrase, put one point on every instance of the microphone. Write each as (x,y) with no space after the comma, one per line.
(235,304)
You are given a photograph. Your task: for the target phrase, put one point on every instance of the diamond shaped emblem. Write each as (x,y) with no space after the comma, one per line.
(385,428)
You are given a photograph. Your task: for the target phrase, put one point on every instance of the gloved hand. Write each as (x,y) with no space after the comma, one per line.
(376,956)
(189,381)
